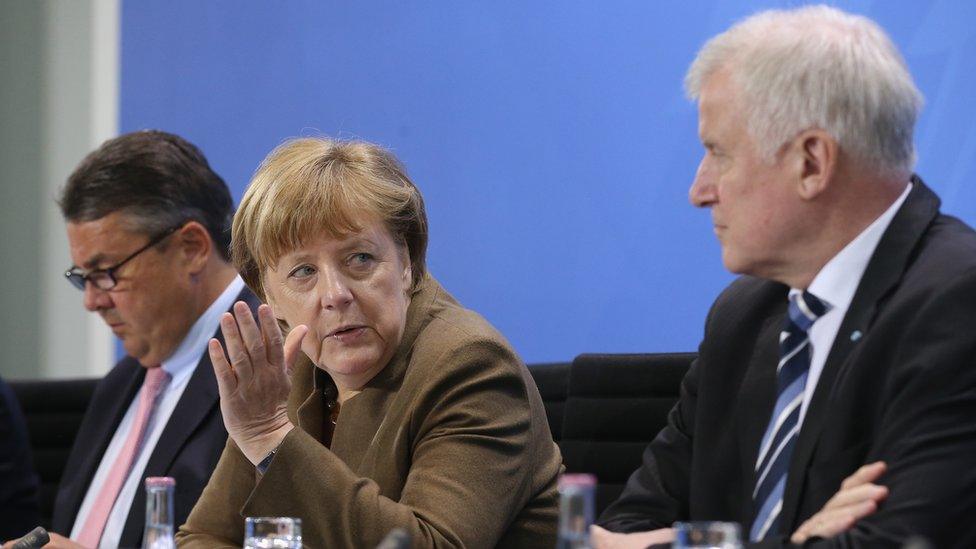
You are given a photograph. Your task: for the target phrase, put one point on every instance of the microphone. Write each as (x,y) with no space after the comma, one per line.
(36,539)
(396,539)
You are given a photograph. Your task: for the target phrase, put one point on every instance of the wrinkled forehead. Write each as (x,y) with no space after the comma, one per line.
(340,231)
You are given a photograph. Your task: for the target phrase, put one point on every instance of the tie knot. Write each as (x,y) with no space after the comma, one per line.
(806,308)
(156,378)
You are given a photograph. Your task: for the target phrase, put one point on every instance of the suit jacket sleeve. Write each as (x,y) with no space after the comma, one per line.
(471,460)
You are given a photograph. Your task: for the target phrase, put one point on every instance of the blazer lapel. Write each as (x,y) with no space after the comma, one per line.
(199,397)
(354,436)
(883,273)
(311,412)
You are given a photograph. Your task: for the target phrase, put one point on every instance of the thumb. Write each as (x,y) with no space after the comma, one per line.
(293,344)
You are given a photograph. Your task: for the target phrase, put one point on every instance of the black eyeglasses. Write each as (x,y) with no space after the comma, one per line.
(104,279)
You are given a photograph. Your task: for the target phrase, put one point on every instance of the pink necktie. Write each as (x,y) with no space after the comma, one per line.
(152,386)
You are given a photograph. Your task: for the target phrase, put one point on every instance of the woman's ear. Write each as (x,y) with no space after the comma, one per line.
(407,268)
(408,276)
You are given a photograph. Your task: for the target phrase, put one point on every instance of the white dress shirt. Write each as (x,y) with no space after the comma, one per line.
(180,366)
(836,283)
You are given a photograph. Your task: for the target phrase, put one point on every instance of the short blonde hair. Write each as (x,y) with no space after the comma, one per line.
(309,186)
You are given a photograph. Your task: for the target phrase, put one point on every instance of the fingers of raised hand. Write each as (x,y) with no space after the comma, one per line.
(226,378)
(236,353)
(244,341)
(251,334)
(272,336)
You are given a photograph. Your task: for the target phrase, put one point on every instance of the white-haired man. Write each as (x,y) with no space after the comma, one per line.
(833,401)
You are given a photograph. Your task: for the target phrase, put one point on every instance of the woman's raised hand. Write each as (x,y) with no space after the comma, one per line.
(253,378)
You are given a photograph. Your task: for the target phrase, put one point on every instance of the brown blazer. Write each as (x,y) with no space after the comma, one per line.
(449,441)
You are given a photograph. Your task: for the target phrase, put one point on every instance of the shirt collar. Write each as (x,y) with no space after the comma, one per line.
(838,279)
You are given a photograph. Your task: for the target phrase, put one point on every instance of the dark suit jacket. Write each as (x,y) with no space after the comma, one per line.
(18,483)
(899,385)
(449,441)
(187,450)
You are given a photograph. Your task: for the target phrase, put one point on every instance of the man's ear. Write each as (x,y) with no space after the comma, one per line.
(817,155)
(195,245)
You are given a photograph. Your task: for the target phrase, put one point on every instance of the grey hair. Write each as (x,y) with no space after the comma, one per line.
(818,67)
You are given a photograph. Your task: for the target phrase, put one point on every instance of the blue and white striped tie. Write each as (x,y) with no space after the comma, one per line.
(784,425)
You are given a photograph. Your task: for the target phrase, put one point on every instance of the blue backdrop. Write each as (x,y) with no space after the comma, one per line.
(551,140)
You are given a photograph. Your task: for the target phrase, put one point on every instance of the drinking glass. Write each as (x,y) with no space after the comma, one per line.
(272,533)
(707,535)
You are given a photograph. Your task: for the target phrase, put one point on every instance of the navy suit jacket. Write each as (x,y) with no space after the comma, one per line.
(899,385)
(187,450)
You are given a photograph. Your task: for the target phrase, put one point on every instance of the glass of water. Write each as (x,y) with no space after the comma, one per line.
(272,533)
(707,535)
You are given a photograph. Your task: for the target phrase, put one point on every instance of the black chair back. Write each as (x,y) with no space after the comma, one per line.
(53,410)
(553,380)
(616,405)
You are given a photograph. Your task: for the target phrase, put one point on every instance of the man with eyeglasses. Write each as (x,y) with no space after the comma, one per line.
(148,226)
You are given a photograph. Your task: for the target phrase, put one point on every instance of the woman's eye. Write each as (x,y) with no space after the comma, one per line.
(361,258)
(302,272)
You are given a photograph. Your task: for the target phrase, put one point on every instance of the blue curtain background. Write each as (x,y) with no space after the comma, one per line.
(551,140)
